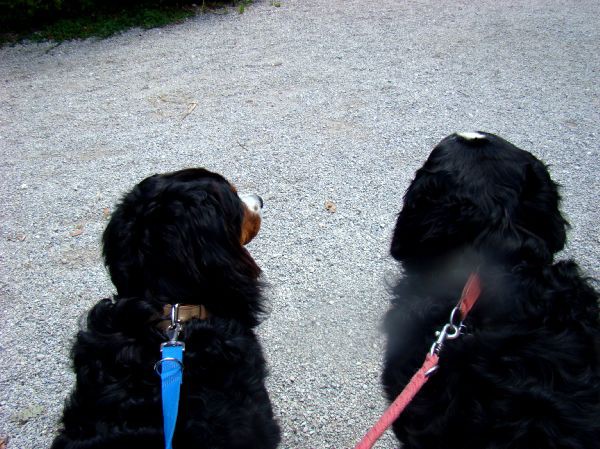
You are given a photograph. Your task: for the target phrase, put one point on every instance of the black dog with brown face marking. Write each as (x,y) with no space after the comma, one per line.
(175,238)
(526,372)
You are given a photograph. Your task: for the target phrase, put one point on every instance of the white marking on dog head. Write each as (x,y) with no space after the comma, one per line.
(471,135)
(252,202)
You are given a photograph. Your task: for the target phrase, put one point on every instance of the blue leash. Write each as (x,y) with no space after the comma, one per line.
(171,375)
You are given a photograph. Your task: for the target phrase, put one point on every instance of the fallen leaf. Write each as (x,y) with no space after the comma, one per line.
(106,213)
(3,442)
(20,238)
(77,231)
(330,206)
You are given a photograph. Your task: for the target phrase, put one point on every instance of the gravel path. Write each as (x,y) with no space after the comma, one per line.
(305,103)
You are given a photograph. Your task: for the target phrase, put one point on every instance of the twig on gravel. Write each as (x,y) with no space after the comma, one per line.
(191,108)
(179,100)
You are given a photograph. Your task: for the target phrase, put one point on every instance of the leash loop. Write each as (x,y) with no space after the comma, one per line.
(158,365)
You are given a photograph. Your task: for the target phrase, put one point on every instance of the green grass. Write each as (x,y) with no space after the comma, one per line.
(242,5)
(105,25)
(102,25)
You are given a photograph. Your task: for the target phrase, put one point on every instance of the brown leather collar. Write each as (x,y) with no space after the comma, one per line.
(186,313)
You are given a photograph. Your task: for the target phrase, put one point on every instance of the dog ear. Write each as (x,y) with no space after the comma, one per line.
(533,228)
(122,239)
(435,218)
(539,211)
(209,232)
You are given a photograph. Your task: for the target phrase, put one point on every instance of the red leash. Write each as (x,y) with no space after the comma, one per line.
(450,331)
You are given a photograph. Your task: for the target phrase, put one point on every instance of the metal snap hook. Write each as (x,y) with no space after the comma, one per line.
(173,332)
(175,315)
(448,332)
(175,327)
(454,332)
(455,317)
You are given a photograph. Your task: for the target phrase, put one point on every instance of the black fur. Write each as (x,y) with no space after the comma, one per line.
(526,375)
(174,238)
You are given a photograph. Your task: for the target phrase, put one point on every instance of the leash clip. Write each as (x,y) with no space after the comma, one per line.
(173,332)
(174,328)
(451,330)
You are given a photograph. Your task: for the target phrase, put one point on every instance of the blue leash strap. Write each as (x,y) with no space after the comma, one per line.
(171,375)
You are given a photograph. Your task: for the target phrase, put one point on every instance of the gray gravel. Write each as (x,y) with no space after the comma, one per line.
(305,103)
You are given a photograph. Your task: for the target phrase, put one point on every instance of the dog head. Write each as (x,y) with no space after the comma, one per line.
(478,191)
(179,237)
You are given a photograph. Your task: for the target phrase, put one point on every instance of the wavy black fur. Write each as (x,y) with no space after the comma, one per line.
(174,238)
(527,373)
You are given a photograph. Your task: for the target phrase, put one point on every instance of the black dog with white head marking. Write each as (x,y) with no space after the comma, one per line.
(175,238)
(525,374)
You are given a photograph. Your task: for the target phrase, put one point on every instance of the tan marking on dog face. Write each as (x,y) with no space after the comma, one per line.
(250,225)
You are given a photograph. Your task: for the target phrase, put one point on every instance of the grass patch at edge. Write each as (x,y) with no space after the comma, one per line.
(105,25)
